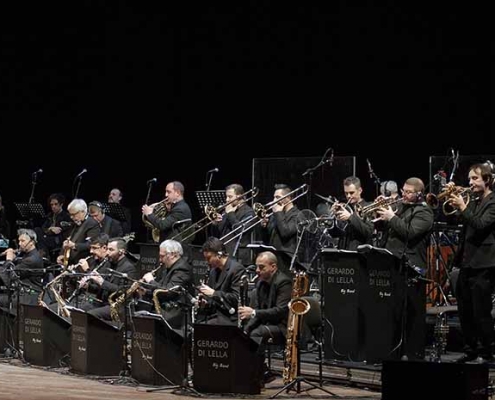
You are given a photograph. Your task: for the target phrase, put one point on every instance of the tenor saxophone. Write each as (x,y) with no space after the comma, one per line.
(62,305)
(298,306)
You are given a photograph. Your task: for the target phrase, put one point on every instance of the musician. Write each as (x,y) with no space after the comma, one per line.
(124,267)
(267,312)
(220,293)
(84,229)
(56,226)
(389,189)
(178,275)
(476,260)
(406,235)
(236,213)
(174,216)
(108,225)
(282,224)
(27,268)
(356,230)
(89,294)
(115,196)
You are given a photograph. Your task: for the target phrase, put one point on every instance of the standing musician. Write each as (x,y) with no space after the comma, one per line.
(282,225)
(27,267)
(236,212)
(220,294)
(178,275)
(94,293)
(76,246)
(357,231)
(406,235)
(56,226)
(476,260)
(124,267)
(170,216)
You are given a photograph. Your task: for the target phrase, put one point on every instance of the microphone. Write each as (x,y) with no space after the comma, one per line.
(213,170)
(153,180)
(80,174)
(250,268)
(329,161)
(114,272)
(40,171)
(452,151)
(370,170)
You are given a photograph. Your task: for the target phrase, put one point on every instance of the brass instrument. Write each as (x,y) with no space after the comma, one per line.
(260,213)
(160,209)
(369,210)
(62,305)
(123,296)
(298,306)
(65,261)
(211,215)
(444,196)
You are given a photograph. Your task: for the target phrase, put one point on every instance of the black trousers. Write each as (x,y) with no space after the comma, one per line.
(474,298)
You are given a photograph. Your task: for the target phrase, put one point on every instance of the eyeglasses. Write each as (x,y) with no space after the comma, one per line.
(407,191)
(74,214)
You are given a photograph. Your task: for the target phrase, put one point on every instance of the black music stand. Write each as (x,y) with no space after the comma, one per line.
(212,197)
(114,210)
(30,211)
(184,388)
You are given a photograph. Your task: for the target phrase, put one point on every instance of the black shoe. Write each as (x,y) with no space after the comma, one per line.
(466,358)
(268,377)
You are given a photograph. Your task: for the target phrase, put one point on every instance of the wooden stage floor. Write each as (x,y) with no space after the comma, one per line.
(20,381)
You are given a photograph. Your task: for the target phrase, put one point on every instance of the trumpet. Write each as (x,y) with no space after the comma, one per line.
(369,210)
(261,212)
(212,214)
(444,196)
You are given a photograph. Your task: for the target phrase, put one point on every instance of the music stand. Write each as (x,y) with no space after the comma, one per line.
(30,211)
(212,197)
(114,210)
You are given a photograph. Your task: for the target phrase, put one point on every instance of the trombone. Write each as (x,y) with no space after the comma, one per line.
(261,212)
(211,215)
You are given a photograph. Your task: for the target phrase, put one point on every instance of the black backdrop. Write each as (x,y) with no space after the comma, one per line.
(394,83)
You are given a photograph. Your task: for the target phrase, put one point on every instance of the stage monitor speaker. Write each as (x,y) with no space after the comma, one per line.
(156,350)
(96,345)
(408,380)
(46,336)
(226,360)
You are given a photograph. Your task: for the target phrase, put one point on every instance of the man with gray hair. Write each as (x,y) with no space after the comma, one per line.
(27,266)
(176,280)
(76,246)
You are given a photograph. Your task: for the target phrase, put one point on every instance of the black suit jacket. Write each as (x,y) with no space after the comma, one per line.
(80,235)
(111,227)
(28,268)
(271,309)
(409,231)
(357,231)
(116,282)
(282,229)
(180,273)
(167,226)
(477,247)
(223,304)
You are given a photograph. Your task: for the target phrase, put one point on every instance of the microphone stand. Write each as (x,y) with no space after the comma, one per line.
(78,185)
(375,178)
(455,166)
(209,177)
(309,172)
(183,389)
(146,201)
(34,181)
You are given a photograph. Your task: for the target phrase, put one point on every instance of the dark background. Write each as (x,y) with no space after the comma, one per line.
(101,85)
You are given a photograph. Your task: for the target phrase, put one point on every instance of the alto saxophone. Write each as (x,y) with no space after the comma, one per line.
(243,298)
(298,306)
(121,299)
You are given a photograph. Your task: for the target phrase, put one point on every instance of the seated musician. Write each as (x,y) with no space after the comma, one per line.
(26,269)
(176,281)
(220,293)
(267,313)
(88,294)
(124,268)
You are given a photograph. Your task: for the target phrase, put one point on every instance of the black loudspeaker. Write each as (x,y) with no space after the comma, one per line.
(426,380)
